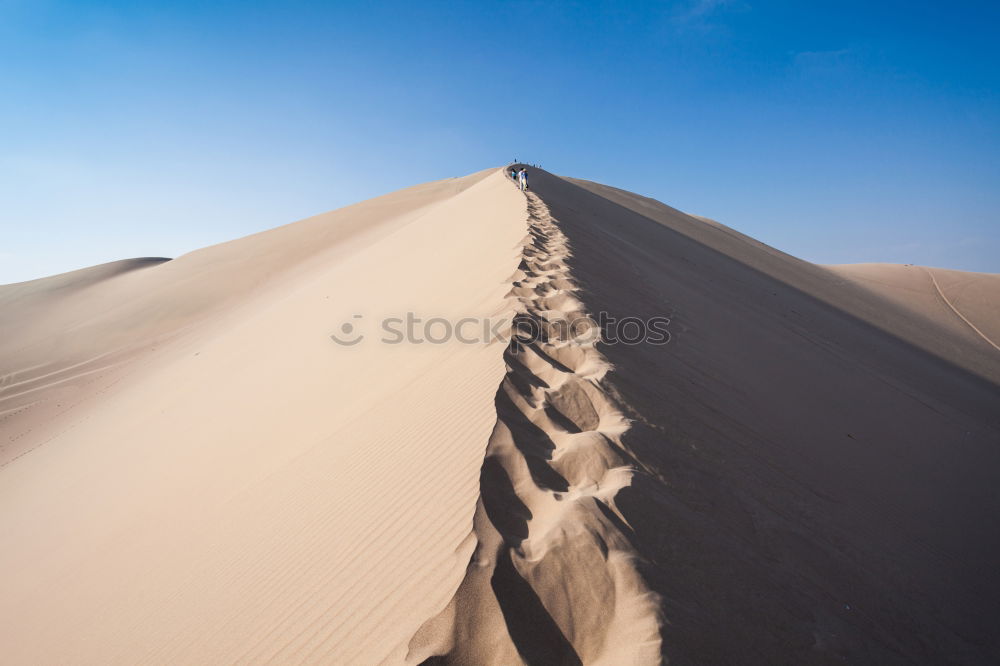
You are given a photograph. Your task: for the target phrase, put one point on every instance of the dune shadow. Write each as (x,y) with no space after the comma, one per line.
(535,634)
(502,505)
(533,443)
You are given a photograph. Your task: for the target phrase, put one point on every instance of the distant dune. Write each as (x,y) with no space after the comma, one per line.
(193,471)
(965,303)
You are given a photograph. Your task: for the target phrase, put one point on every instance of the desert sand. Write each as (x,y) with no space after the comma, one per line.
(193,471)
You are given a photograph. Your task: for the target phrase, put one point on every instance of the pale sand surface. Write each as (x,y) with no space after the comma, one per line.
(195,473)
(258,492)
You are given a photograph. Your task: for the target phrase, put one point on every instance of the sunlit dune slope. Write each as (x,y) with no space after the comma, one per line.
(251,490)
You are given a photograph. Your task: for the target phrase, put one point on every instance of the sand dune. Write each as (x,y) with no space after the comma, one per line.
(250,490)
(965,303)
(194,472)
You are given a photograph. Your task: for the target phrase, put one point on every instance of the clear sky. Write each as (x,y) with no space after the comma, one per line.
(840,132)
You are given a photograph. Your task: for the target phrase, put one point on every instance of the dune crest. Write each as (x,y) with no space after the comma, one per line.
(553,578)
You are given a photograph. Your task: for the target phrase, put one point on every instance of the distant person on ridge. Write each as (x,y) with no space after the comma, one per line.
(523,177)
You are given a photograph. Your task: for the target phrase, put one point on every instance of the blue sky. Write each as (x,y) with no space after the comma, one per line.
(836,131)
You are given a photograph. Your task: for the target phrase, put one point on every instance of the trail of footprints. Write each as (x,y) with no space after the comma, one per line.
(564,428)
(554,573)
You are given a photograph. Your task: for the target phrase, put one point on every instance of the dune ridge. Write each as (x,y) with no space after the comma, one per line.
(553,577)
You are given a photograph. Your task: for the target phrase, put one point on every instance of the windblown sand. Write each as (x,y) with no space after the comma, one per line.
(194,472)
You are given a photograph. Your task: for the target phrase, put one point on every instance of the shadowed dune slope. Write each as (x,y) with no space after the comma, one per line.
(818,456)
